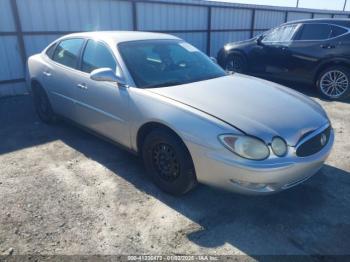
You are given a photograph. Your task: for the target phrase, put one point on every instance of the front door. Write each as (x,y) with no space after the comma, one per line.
(269,56)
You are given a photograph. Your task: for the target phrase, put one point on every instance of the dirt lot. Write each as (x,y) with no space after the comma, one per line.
(64,191)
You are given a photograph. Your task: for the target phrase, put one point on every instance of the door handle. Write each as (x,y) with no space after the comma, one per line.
(47,73)
(284,48)
(82,86)
(327,46)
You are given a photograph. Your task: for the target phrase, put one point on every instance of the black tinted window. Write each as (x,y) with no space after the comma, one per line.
(156,63)
(67,52)
(96,55)
(315,32)
(337,31)
(50,51)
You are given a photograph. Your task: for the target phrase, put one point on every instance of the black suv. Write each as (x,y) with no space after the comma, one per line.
(313,51)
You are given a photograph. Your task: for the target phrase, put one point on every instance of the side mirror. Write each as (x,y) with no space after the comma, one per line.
(259,39)
(107,75)
(214,59)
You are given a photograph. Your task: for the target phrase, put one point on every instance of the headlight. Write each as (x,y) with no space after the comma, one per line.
(246,146)
(279,146)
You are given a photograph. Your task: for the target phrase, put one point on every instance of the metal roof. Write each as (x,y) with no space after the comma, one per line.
(121,36)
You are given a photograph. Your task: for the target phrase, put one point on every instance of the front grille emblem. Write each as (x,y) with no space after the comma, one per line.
(323,139)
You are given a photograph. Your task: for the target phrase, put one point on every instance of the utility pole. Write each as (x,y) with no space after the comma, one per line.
(298,3)
(344,5)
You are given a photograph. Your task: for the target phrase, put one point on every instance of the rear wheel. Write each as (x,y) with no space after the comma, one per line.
(237,63)
(168,162)
(43,106)
(333,83)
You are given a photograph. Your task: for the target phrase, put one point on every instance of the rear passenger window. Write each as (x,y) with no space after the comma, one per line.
(337,31)
(315,32)
(67,52)
(97,55)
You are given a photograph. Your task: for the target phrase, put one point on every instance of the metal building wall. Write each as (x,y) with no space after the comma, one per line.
(27,26)
(11,66)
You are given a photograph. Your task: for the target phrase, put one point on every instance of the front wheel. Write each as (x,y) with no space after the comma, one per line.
(237,63)
(168,162)
(333,83)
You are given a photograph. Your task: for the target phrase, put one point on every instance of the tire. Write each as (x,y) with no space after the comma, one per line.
(168,162)
(236,62)
(43,106)
(328,88)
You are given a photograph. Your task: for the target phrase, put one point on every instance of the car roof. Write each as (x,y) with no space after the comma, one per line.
(121,36)
(338,21)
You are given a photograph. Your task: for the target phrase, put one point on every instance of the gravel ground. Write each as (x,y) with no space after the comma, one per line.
(66,192)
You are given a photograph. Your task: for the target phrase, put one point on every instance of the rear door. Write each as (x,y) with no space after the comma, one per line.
(58,75)
(312,44)
(101,106)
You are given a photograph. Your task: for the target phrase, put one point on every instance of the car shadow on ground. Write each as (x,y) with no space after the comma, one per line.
(307,217)
(313,218)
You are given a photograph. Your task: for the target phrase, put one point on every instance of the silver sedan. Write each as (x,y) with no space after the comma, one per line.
(158,96)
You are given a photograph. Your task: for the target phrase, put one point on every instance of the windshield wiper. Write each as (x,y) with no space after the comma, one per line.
(164,84)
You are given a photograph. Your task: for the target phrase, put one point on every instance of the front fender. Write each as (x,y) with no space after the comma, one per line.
(191,125)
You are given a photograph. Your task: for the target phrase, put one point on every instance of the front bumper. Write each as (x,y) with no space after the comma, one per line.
(223,169)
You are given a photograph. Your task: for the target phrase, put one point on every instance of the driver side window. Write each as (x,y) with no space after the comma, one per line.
(96,56)
(281,34)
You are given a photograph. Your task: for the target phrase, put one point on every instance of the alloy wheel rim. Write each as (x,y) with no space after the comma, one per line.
(165,162)
(235,64)
(334,83)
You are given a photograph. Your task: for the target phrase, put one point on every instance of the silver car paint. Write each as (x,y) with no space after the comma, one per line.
(57,79)
(197,112)
(259,108)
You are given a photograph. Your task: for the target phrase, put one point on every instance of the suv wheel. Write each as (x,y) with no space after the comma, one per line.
(333,83)
(237,63)
(168,162)
(43,106)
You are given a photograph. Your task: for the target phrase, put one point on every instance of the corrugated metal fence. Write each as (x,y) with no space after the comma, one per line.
(27,26)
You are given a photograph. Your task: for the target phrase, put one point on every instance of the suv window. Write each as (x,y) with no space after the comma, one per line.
(97,55)
(337,31)
(67,52)
(281,34)
(315,32)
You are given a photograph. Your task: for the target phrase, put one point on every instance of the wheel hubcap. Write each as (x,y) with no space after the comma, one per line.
(165,162)
(334,83)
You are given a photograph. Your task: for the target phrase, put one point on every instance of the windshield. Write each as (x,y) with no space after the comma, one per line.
(157,63)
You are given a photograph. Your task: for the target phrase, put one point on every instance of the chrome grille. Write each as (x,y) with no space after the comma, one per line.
(314,144)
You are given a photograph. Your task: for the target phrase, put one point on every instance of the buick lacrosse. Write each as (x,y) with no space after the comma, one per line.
(190,121)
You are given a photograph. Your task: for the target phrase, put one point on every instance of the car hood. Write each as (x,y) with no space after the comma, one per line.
(240,43)
(255,106)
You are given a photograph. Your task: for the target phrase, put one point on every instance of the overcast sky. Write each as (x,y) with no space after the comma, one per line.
(317,4)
